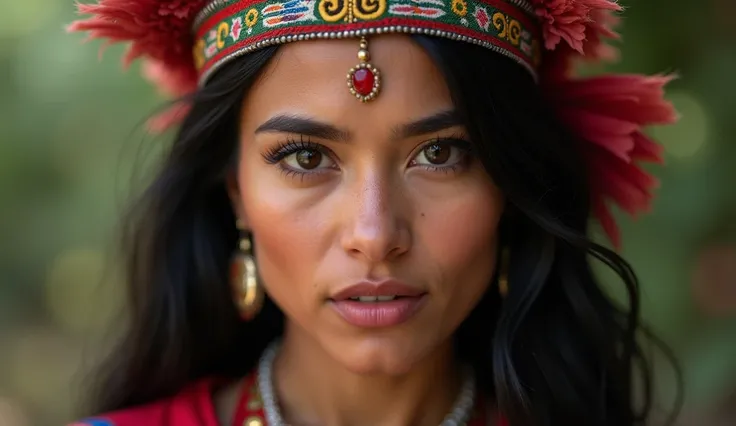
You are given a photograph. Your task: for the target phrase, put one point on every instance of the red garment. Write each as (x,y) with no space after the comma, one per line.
(193,406)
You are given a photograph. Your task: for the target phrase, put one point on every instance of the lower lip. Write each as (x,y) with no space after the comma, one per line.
(378,314)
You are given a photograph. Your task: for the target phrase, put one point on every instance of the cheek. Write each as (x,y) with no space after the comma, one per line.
(284,231)
(460,237)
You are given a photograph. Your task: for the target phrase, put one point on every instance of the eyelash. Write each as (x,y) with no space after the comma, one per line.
(276,154)
(291,146)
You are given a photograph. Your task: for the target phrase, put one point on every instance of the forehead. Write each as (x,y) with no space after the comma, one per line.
(309,78)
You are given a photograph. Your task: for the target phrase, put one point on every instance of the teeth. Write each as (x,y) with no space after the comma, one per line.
(373,298)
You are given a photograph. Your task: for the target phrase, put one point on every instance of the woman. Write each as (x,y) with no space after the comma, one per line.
(421,232)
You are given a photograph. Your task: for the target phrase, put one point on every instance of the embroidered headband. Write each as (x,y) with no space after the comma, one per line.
(184,42)
(225,29)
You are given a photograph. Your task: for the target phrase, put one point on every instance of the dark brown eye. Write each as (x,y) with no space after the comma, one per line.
(437,153)
(308,159)
(442,154)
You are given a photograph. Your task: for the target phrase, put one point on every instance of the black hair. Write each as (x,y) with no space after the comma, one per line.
(557,351)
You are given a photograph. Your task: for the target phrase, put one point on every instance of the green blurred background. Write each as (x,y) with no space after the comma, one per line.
(72,150)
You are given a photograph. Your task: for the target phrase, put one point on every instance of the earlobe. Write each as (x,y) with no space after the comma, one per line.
(236,201)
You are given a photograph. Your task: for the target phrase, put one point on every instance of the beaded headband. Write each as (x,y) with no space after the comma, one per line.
(185,42)
(225,29)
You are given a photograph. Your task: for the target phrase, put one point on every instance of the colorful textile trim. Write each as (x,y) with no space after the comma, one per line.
(231,28)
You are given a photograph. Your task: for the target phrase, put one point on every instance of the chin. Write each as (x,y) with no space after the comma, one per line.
(380,356)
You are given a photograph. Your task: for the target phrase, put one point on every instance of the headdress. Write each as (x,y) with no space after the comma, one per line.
(183,42)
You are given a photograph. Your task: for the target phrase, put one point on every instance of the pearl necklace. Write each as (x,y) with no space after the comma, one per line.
(459,414)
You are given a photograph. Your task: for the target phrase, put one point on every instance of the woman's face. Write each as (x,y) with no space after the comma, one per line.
(384,194)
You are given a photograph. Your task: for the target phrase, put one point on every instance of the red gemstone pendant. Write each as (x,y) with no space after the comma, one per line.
(364,80)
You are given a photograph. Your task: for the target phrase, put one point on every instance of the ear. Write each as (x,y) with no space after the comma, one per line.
(236,200)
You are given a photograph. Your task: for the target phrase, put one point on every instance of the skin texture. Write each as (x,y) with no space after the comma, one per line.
(373,207)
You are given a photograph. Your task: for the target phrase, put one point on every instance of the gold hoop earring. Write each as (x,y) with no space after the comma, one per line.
(247,292)
(503,274)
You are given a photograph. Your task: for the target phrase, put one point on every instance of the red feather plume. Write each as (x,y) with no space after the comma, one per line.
(158,31)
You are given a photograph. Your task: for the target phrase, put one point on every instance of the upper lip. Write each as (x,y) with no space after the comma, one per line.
(373,288)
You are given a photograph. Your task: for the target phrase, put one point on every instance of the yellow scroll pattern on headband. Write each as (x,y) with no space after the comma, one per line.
(222,31)
(368,9)
(508,28)
(351,10)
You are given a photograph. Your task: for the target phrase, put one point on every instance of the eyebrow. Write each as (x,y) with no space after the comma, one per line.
(314,128)
(303,126)
(431,124)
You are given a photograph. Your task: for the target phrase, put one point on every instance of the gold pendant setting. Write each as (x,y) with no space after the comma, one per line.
(364,80)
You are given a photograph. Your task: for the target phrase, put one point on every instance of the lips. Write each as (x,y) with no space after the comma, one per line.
(372,292)
(372,305)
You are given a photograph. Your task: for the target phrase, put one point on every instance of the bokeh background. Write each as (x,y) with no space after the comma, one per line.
(72,150)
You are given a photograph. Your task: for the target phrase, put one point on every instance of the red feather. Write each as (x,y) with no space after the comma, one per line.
(609,112)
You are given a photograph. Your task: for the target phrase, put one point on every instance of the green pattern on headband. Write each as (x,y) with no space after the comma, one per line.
(234,26)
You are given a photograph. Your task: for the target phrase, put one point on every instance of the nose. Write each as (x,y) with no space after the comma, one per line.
(376,230)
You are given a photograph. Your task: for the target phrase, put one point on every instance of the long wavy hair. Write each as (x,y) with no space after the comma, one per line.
(557,351)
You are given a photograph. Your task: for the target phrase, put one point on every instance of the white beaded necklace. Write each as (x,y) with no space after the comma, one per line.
(460,413)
